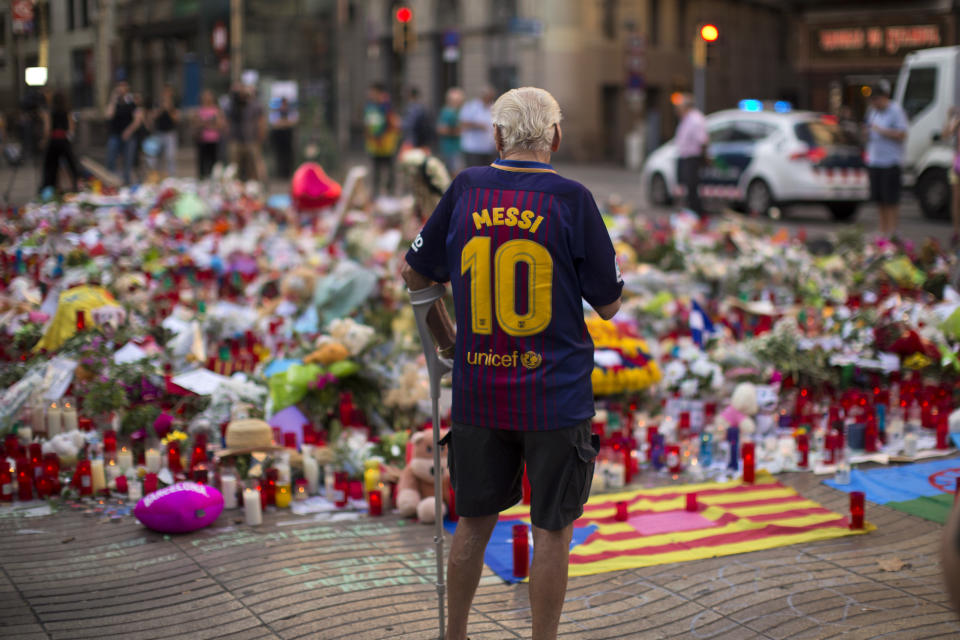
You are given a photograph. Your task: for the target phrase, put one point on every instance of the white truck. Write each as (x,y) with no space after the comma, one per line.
(927,88)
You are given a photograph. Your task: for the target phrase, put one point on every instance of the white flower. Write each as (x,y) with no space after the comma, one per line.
(674,372)
(689,388)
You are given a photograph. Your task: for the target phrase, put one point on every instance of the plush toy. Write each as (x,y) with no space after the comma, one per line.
(415,488)
(735,423)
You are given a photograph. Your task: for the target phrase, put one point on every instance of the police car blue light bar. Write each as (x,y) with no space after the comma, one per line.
(782,106)
(750,105)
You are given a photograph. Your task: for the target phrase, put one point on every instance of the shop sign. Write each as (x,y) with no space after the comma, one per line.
(22,16)
(878,40)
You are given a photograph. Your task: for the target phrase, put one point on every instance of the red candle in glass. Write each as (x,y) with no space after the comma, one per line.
(651,435)
(943,432)
(84,478)
(830,449)
(6,482)
(24,468)
(11,445)
(692,502)
(44,487)
(375,501)
(870,434)
(24,488)
(36,453)
(290,440)
(309,434)
(340,488)
(527,490)
(673,455)
(270,485)
(521,551)
(622,513)
(627,464)
(356,490)
(122,484)
(174,464)
(149,483)
(803,446)
(684,428)
(109,442)
(749,459)
(84,424)
(856,509)
(81,320)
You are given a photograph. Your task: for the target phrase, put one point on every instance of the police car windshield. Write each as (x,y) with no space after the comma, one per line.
(824,133)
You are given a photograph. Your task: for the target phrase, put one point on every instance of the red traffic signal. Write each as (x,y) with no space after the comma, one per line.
(404,14)
(709,33)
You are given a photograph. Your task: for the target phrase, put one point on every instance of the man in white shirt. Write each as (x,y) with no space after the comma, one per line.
(691,143)
(476,130)
(886,139)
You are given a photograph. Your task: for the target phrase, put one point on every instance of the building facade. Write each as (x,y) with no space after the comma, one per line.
(844,45)
(612,64)
(64,33)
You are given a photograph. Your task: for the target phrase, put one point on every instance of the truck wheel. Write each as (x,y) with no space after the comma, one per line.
(843,211)
(933,192)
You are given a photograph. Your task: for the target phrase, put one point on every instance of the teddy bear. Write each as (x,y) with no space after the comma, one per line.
(735,423)
(415,489)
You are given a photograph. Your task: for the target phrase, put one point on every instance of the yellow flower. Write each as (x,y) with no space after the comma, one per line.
(174,435)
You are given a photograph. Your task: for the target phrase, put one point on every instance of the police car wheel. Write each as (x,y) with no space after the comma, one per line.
(659,195)
(759,198)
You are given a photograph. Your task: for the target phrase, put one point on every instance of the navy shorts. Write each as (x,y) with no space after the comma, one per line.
(885,185)
(486,470)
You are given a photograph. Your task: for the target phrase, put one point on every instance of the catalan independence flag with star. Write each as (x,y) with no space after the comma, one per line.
(732,517)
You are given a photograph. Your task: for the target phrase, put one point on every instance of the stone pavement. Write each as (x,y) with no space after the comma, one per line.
(71,576)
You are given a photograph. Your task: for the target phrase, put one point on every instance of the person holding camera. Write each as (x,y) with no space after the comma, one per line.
(124,117)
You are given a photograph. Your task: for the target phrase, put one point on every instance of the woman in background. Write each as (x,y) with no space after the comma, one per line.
(209,124)
(58,129)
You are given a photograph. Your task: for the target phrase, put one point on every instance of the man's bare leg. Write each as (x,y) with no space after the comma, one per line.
(464,566)
(548,579)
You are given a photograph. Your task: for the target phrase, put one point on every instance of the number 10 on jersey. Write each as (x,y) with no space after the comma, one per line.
(498,273)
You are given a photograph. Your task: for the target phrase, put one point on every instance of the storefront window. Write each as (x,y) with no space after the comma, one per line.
(921,90)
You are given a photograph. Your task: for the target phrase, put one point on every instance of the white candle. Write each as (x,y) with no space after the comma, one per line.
(113,471)
(37,421)
(125,459)
(153,461)
(251,507)
(25,434)
(69,418)
(134,490)
(228,487)
(311,471)
(97,474)
(54,420)
(283,473)
(328,481)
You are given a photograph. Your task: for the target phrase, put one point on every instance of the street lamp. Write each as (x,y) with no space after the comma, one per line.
(35,76)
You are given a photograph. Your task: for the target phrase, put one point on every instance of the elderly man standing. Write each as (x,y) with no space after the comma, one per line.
(691,144)
(522,248)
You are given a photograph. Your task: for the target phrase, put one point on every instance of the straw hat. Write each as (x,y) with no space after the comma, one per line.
(248,436)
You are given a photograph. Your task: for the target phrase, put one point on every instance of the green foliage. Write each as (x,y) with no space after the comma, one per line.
(139,417)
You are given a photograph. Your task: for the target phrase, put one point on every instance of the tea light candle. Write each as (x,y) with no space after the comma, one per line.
(113,471)
(97,475)
(228,487)
(153,461)
(283,496)
(125,459)
(69,419)
(252,513)
(134,490)
(54,419)
(300,489)
(311,473)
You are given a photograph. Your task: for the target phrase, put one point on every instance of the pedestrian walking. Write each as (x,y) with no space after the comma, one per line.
(886,126)
(123,120)
(166,117)
(209,124)
(476,130)
(284,119)
(382,136)
(58,132)
(522,357)
(247,133)
(691,143)
(418,130)
(448,130)
(951,135)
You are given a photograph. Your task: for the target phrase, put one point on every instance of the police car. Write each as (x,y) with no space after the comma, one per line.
(763,156)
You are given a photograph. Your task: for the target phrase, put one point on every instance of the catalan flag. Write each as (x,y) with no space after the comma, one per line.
(732,517)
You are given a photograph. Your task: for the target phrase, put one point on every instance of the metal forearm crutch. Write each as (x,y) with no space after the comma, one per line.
(423,300)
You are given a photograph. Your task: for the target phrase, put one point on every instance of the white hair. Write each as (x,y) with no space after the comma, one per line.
(525,118)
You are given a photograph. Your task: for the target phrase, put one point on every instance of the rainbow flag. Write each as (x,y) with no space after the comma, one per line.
(732,517)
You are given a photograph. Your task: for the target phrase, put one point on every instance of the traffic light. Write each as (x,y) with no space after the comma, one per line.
(404,30)
(709,33)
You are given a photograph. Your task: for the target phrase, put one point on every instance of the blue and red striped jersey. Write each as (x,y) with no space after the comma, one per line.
(522,248)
